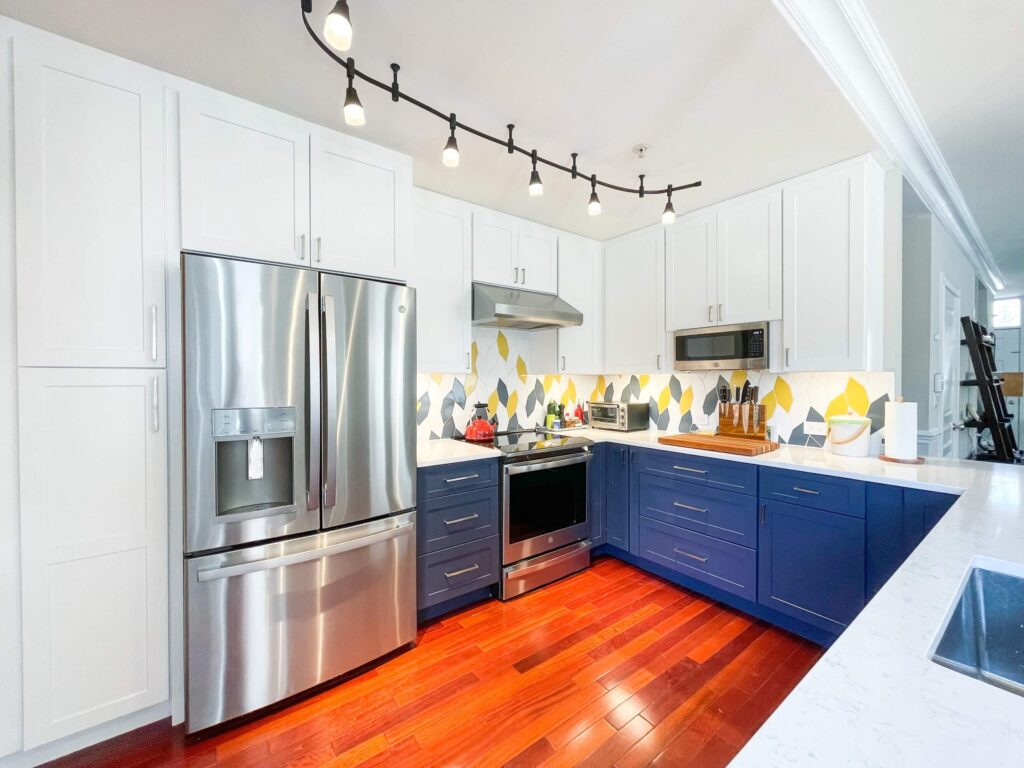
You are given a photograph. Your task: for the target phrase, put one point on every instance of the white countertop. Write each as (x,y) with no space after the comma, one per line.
(434,452)
(875,698)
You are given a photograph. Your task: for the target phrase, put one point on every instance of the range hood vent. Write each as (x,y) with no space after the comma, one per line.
(497,307)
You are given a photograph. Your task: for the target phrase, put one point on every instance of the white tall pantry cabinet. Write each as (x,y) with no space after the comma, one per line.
(634,303)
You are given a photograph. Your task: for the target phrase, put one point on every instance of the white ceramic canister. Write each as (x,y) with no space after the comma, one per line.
(849,435)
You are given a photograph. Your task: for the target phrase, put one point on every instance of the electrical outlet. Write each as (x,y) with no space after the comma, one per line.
(818,428)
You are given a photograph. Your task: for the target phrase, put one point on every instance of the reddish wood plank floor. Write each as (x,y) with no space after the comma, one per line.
(610,667)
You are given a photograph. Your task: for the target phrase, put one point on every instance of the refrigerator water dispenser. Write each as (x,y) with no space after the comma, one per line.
(255,459)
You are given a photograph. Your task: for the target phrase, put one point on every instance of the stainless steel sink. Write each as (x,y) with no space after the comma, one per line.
(984,633)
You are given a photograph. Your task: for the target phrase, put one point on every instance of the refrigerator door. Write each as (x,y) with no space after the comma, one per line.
(252,402)
(270,621)
(369,363)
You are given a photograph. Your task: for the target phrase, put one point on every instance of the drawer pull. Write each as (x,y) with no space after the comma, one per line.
(687,506)
(688,469)
(806,490)
(465,519)
(461,479)
(453,574)
(687,554)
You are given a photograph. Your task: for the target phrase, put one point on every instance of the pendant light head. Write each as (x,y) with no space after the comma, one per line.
(536,185)
(338,27)
(669,214)
(353,109)
(594,206)
(450,155)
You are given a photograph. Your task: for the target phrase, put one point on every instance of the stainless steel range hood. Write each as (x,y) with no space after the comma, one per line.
(497,307)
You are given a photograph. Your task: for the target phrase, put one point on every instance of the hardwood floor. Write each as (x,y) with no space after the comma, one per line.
(612,666)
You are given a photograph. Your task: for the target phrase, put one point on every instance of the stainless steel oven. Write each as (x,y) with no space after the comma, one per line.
(722,347)
(544,520)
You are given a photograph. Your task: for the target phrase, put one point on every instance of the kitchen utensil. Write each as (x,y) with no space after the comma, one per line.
(480,430)
(740,446)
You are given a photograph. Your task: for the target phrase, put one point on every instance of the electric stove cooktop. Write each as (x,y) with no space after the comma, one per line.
(530,442)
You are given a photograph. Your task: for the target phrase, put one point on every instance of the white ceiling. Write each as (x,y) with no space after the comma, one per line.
(722,91)
(964,67)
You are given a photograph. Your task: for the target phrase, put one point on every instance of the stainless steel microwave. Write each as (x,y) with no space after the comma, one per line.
(743,346)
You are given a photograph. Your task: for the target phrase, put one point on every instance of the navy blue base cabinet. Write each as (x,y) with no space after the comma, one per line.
(617,471)
(596,497)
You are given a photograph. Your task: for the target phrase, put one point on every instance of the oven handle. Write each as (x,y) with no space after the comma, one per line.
(526,570)
(539,464)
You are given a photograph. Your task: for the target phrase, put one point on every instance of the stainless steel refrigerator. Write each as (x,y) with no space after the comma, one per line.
(300,475)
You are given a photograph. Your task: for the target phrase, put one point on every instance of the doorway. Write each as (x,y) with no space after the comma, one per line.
(949,367)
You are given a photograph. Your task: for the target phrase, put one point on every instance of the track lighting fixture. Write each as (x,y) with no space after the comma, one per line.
(338,27)
(450,155)
(353,109)
(594,206)
(536,185)
(669,214)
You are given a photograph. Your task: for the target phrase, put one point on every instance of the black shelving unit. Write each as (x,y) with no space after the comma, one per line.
(995,416)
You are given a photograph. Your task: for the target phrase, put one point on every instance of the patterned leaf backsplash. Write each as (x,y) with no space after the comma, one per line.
(681,402)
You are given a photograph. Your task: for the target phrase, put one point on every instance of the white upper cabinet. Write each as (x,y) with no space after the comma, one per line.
(749,258)
(832,248)
(244,179)
(93,469)
(515,253)
(360,206)
(581,281)
(690,272)
(634,300)
(441,272)
(89,143)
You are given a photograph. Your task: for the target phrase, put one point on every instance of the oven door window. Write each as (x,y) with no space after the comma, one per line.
(546,501)
(715,345)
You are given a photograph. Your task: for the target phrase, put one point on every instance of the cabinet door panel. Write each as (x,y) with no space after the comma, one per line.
(441,272)
(359,203)
(597,494)
(581,283)
(749,259)
(94,546)
(617,509)
(634,290)
(89,148)
(537,258)
(244,179)
(495,248)
(690,280)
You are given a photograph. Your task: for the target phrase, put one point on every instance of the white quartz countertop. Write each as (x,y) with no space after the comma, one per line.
(434,452)
(875,698)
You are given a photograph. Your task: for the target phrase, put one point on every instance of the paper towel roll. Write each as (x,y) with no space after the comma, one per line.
(901,430)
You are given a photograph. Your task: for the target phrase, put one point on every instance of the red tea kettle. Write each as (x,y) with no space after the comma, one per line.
(480,430)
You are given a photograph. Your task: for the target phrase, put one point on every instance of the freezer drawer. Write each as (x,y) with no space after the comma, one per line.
(270,621)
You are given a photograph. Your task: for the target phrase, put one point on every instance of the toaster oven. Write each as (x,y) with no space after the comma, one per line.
(624,417)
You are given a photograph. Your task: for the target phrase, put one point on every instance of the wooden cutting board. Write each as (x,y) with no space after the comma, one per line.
(739,446)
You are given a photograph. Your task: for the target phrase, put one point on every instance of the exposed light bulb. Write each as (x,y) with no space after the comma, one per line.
(450,155)
(536,185)
(354,114)
(669,215)
(594,206)
(338,27)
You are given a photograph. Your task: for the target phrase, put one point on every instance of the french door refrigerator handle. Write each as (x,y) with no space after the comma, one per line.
(227,571)
(331,405)
(313,400)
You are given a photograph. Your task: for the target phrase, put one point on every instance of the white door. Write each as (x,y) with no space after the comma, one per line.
(749,261)
(690,280)
(244,179)
(359,204)
(441,272)
(581,283)
(537,257)
(823,271)
(495,250)
(634,296)
(94,546)
(949,367)
(89,143)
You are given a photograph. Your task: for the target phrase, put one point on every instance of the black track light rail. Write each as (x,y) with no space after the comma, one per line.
(396,95)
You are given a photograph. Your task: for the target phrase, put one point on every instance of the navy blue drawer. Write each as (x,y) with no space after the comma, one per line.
(715,562)
(832,494)
(454,478)
(719,514)
(457,570)
(457,518)
(714,473)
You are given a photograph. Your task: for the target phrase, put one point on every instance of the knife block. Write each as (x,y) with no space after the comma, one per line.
(742,420)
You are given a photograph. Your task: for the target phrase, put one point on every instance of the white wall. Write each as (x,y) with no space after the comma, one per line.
(917,324)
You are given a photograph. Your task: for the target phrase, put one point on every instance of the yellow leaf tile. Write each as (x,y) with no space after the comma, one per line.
(492,403)
(513,402)
(548,381)
(521,369)
(738,378)
(664,399)
(502,346)
(570,391)
(783,394)
(474,353)
(437,378)
(838,407)
(768,401)
(644,380)
(471,380)
(686,400)
(857,396)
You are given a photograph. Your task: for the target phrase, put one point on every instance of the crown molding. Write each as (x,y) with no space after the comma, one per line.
(845,41)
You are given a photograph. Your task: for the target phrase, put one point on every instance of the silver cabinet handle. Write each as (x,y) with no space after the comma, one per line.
(468,365)
(687,506)
(711,314)
(808,491)
(313,403)
(524,275)
(515,275)
(153,320)
(319,248)
(787,357)
(659,362)
(331,374)
(719,313)
(302,247)
(764,514)
(563,362)
(688,469)
(687,554)
(465,519)
(453,574)
(461,478)
(156,403)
